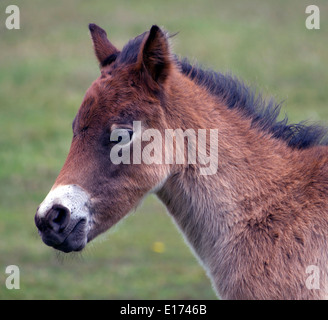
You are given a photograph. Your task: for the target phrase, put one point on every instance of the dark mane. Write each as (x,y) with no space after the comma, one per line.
(264,115)
(130,51)
(237,95)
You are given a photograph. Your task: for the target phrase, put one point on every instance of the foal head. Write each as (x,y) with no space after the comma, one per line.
(91,192)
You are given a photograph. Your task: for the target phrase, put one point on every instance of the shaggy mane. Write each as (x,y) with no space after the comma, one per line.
(237,95)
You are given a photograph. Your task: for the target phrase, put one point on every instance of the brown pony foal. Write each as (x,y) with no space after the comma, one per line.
(256,222)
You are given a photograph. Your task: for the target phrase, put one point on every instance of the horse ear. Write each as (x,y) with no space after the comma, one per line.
(102,46)
(155,55)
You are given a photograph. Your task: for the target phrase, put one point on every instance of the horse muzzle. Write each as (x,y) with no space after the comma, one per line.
(63,218)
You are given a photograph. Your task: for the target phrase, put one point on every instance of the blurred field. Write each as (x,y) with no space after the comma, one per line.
(45,69)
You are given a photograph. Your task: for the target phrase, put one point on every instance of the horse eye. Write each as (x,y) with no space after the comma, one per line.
(121,135)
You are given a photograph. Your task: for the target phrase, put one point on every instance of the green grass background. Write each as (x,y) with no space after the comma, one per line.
(45,69)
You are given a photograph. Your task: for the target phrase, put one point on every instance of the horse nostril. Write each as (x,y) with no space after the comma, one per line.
(58,217)
(39,222)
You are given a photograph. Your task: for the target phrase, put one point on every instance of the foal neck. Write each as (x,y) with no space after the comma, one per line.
(251,166)
(256,218)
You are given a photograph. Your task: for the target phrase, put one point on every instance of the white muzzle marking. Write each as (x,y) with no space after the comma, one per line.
(71,196)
